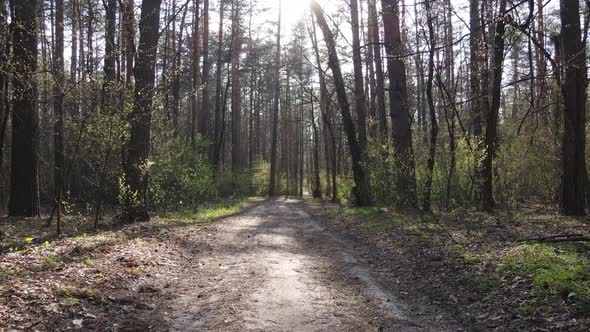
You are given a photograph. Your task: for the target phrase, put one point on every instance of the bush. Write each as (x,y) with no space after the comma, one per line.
(260,178)
(178,178)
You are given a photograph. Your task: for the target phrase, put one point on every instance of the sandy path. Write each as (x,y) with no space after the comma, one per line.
(275,268)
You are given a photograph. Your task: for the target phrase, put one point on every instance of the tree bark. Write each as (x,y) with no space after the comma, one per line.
(218,93)
(474,70)
(573,164)
(204,116)
(431,109)
(359,91)
(400,114)
(379,76)
(129,26)
(236,102)
(4,107)
(24,176)
(492,115)
(317,186)
(58,103)
(196,72)
(138,146)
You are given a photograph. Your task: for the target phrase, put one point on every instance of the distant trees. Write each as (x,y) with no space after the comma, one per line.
(362,190)
(257,107)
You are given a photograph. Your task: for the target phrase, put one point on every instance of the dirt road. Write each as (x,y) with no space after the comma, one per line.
(275,268)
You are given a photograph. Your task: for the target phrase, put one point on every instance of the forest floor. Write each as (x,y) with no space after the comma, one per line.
(273,265)
(524,269)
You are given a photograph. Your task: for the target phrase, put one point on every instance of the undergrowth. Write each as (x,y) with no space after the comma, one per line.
(557,273)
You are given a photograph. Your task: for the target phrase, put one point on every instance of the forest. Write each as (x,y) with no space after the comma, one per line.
(351,164)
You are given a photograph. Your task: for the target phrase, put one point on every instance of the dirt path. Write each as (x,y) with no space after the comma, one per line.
(275,268)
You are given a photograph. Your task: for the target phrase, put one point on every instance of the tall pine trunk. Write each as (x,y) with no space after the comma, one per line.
(400,113)
(431,109)
(493,110)
(58,104)
(137,149)
(24,175)
(236,103)
(573,165)
(275,112)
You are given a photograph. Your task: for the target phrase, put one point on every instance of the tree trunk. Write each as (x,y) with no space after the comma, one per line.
(204,116)
(317,186)
(236,102)
(400,114)
(573,142)
(196,71)
(138,146)
(218,94)
(4,107)
(362,190)
(58,103)
(431,109)
(129,25)
(176,64)
(492,116)
(379,79)
(474,70)
(24,184)
(359,92)
(275,111)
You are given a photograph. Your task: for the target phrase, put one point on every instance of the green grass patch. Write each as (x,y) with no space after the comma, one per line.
(556,272)
(368,218)
(210,212)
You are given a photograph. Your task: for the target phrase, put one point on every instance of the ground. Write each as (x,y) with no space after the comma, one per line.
(274,265)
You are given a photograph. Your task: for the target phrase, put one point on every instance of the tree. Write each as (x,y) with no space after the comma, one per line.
(218,94)
(379,76)
(195,74)
(138,146)
(58,103)
(275,113)
(204,117)
(362,190)
(4,86)
(24,176)
(236,152)
(573,141)
(359,92)
(474,70)
(400,114)
(431,109)
(494,107)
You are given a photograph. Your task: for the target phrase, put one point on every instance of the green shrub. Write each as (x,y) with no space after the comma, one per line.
(178,178)
(260,177)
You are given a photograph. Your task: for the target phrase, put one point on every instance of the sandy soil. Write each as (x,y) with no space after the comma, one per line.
(275,268)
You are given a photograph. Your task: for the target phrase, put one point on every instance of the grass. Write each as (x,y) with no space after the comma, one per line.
(557,273)
(368,218)
(210,212)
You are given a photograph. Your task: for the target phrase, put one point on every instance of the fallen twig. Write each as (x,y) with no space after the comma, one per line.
(557,238)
